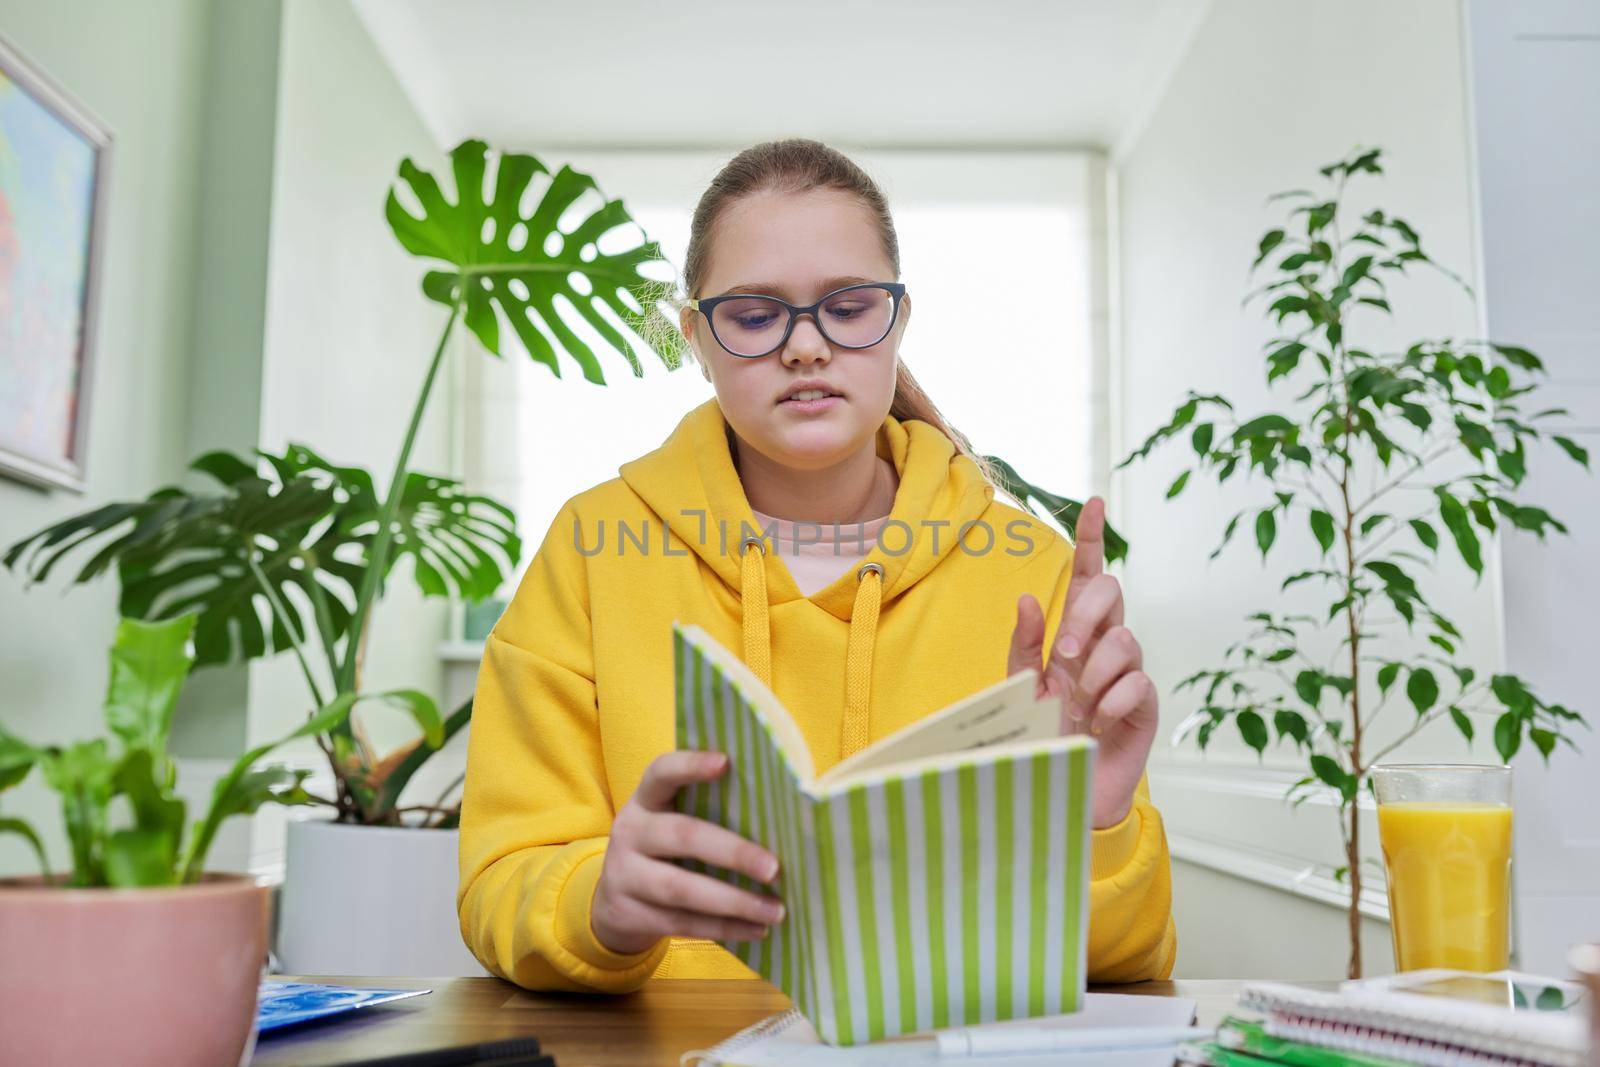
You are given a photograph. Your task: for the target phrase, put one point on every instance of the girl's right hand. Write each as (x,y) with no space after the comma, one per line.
(641,898)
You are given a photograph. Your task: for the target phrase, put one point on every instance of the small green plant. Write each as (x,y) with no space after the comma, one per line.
(149,662)
(1364,412)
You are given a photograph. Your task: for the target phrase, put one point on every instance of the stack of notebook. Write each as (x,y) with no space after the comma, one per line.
(1442,1018)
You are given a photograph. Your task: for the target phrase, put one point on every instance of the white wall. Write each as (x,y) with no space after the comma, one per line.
(1536,80)
(1267,93)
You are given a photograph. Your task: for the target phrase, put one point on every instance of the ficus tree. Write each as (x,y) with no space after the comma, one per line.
(1382,462)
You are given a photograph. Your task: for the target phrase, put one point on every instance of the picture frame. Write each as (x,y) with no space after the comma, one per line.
(54,176)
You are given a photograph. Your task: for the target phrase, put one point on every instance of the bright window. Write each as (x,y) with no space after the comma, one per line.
(1001,252)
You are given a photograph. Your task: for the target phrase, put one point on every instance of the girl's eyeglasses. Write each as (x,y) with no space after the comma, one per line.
(751,326)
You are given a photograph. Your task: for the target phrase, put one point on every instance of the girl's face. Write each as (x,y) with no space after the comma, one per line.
(799,246)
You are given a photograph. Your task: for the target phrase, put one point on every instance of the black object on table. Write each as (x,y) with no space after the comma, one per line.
(512,1052)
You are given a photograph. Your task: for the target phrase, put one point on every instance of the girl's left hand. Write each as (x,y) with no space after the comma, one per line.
(1095,668)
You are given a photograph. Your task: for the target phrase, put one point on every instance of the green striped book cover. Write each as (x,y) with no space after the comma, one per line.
(939,877)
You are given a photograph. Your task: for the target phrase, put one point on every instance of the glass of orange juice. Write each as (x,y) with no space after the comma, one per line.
(1445,830)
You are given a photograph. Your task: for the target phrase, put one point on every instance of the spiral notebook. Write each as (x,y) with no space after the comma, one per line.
(1437,1017)
(938,877)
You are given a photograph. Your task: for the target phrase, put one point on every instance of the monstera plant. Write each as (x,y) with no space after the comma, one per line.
(290,553)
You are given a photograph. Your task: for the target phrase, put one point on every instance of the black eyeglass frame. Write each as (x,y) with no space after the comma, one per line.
(897,291)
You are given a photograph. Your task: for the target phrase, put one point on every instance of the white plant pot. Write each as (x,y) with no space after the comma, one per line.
(371,900)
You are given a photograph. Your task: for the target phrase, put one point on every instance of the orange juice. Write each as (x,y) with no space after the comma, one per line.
(1449,869)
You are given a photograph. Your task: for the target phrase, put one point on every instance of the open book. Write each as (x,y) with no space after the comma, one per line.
(938,877)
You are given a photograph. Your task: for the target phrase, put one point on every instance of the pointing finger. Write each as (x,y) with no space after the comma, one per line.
(1089,554)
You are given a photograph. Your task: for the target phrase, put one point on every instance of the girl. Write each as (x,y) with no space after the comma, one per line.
(911,587)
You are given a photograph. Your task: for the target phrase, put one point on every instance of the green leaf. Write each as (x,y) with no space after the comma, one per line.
(1422,688)
(1200,439)
(1578,453)
(1291,724)
(1328,769)
(1177,485)
(1507,735)
(1475,436)
(1284,360)
(242,786)
(1308,685)
(420,707)
(1322,528)
(523,265)
(83,774)
(1272,239)
(17,758)
(149,662)
(144,782)
(1426,534)
(1252,729)
(24,831)
(307,525)
(1386,676)
(137,858)
(1263,426)
(1544,739)
(1521,357)
(1512,692)
(388,792)
(1454,516)
(1266,530)
(1063,510)
(1463,723)
(262,785)
(1227,534)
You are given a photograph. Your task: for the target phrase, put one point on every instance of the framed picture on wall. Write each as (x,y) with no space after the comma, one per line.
(54,158)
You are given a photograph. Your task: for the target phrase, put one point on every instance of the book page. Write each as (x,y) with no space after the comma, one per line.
(1005,712)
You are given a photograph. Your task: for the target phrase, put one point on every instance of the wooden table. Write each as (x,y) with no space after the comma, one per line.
(653,1026)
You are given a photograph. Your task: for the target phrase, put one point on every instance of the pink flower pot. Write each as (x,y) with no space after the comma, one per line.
(133,977)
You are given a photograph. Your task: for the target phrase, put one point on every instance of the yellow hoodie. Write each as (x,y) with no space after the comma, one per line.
(575,693)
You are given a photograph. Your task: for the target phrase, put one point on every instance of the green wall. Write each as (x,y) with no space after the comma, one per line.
(140,67)
(252,296)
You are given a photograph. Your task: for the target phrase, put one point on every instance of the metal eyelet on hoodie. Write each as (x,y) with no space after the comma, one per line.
(861,573)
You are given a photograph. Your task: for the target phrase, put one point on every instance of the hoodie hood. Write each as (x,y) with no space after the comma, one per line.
(691,479)
(692,486)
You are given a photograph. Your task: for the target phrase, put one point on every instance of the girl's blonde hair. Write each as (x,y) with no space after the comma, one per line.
(799,165)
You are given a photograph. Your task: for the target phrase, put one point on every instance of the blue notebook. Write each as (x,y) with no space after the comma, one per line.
(281,1004)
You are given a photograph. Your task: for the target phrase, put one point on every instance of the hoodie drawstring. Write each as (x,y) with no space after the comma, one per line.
(753,605)
(858,657)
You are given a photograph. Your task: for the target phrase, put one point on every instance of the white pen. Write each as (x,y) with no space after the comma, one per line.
(978,1042)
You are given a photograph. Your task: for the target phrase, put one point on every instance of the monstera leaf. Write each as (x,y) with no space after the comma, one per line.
(525,264)
(1062,509)
(305,533)
(457,540)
